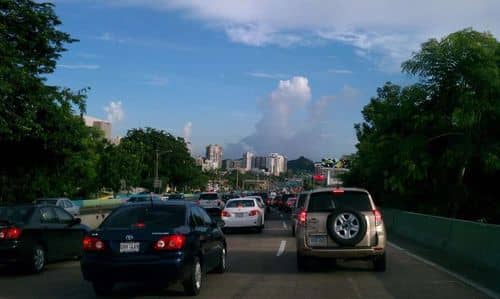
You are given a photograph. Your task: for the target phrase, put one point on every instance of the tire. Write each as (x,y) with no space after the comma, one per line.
(102,288)
(37,260)
(192,283)
(379,263)
(293,230)
(221,265)
(353,219)
(259,229)
(302,263)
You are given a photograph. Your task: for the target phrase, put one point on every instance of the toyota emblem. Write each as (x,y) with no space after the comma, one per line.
(129,237)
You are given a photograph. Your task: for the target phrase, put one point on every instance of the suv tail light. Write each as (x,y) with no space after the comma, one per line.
(225,213)
(11,233)
(378,217)
(93,244)
(254,213)
(172,242)
(302,217)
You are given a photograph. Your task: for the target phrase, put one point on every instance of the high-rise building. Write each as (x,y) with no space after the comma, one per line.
(276,164)
(103,125)
(214,154)
(259,162)
(247,161)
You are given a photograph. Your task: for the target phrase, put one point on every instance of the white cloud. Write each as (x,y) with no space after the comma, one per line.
(155,80)
(115,111)
(266,75)
(80,66)
(340,71)
(188,130)
(109,37)
(389,29)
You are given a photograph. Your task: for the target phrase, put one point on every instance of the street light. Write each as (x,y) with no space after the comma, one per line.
(157,179)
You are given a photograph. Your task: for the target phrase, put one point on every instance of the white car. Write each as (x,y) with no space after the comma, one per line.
(262,205)
(62,202)
(211,202)
(243,213)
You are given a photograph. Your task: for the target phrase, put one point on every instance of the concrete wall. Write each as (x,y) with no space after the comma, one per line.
(475,243)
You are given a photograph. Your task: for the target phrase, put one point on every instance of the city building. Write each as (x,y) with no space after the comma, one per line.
(331,171)
(259,162)
(214,155)
(103,125)
(276,164)
(247,161)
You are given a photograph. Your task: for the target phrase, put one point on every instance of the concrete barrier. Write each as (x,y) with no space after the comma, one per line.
(471,242)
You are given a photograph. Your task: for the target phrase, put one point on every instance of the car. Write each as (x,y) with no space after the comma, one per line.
(243,212)
(282,206)
(175,196)
(141,198)
(211,202)
(34,234)
(290,204)
(156,244)
(340,223)
(62,202)
(296,209)
(262,205)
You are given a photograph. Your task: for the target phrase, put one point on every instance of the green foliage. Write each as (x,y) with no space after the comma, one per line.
(300,165)
(434,146)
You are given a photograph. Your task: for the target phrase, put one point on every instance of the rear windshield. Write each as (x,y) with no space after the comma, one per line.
(47,201)
(209,196)
(143,198)
(327,201)
(15,214)
(240,203)
(154,218)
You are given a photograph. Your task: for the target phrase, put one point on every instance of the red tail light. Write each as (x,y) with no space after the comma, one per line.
(302,217)
(338,190)
(225,214)
(254,213)
(378,217)
(12,233)
(93,244)
(172,242)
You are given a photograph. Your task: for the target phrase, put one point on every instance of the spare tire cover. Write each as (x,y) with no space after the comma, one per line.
(346,227)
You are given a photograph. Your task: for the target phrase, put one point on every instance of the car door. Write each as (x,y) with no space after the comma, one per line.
(205,231)
(70,236)
(50,232)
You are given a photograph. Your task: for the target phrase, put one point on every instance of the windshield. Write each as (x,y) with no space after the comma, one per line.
(153,218)
(240,204)
(209,196)
(15,214)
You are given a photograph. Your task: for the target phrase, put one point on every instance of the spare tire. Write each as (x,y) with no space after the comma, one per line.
(346,227)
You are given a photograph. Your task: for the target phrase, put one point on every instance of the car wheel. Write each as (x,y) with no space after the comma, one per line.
(293,231)
(221,265)
(302,263)
(379,263)
(38,259)
(102,288)
(346,227)
(192,284)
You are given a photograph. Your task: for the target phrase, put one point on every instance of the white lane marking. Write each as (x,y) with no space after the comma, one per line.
(284,225)
(282,248)
(354,287)
(444,270)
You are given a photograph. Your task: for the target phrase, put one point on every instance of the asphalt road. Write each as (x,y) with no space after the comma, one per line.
(259,269)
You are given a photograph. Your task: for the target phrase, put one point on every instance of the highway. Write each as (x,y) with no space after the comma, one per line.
(261,266)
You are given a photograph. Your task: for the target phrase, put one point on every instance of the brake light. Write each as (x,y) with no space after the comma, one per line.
(338,190)
(225,214)
(254,213)
(12,233)
(172,242)
(93,244)
(302,217)
(378,217)
(140,225)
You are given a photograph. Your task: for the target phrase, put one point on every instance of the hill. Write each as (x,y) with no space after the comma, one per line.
(302,164)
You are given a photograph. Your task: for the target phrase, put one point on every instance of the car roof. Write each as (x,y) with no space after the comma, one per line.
(172,202)
(242,198)
(326,189)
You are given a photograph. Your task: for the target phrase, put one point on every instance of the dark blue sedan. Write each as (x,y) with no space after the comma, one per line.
(157,242)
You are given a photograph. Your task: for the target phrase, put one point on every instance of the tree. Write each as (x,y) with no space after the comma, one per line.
(46,148)
(434,146)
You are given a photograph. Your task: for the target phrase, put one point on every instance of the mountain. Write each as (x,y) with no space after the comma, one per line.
(302,164)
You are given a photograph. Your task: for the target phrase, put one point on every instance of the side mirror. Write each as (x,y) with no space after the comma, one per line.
(75,221)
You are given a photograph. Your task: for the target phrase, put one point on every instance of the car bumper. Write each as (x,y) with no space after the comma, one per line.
(241,222)
(341,252)
(163,270)
(13,252)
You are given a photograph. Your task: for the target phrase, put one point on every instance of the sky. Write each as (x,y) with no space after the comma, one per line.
(284,76)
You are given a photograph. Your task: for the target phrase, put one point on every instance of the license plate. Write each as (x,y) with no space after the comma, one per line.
(317,241)
(239,214)
(129,247)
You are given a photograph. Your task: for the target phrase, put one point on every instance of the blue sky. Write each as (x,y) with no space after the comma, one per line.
(275,76)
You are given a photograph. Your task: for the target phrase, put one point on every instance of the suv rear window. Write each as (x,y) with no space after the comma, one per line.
(209,196)
(154,218)
(327,201)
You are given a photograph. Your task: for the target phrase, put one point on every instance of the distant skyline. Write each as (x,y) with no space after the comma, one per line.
(284,76)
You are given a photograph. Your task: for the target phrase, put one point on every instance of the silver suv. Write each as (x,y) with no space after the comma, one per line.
(340,223)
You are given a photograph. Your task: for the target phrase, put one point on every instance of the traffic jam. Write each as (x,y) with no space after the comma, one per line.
(159,241)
